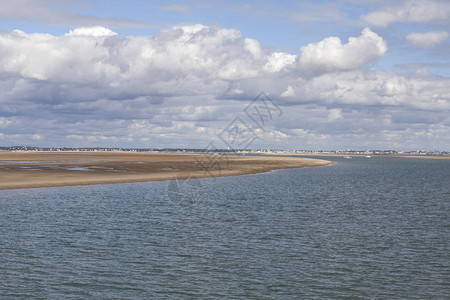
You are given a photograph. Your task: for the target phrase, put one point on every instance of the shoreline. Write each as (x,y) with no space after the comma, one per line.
(359,155)
(19,170)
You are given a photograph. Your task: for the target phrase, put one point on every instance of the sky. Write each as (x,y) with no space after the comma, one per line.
(313,75)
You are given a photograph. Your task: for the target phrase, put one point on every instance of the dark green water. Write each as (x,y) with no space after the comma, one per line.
(360,229)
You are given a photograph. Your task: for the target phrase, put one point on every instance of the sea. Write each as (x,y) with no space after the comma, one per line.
(362,228)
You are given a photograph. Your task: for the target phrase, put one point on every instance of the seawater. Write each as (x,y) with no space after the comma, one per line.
(361,228)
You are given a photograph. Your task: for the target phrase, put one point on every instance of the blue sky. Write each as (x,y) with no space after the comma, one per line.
(346,74)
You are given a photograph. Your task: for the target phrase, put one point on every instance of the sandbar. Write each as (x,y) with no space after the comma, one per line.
(28,169)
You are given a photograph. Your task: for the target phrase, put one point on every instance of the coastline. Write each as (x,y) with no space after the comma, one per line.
(358,155)
(20,170)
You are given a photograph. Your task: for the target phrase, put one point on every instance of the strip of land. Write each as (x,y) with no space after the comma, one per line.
(49,169)
(357,155)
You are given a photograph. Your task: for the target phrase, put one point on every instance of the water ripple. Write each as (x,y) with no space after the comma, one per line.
(360,229)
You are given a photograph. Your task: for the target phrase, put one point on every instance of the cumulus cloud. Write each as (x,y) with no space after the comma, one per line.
(73,58)
(410,12)
(427,39)
(331,55)
(92,31)
(277,61)
(289,92)
(253,47)
(188,59)
(182,86)
(378,88)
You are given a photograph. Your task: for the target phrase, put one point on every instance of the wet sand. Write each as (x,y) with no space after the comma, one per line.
(48,169)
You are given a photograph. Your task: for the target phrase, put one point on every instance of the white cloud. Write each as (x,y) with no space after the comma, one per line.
(183,60)
(331,55)
(96,31)
(378,88)
(253,47)
(277,61)
(410,12)
(185,84)
(335,114)
(189,29)
(289,92)
(72,58)
(427,39)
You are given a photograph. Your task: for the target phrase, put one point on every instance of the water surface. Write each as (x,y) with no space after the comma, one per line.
(362,228)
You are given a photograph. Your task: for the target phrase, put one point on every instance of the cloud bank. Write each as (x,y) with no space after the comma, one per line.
(182,86)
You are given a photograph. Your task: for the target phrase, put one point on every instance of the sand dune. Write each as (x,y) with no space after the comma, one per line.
(47,169)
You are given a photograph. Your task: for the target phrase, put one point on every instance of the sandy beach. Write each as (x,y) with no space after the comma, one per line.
(48,169)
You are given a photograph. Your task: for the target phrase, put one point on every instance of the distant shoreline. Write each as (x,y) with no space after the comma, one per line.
(357,155)
(23,169)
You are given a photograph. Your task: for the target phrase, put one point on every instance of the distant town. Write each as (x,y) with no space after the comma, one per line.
(235,151)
